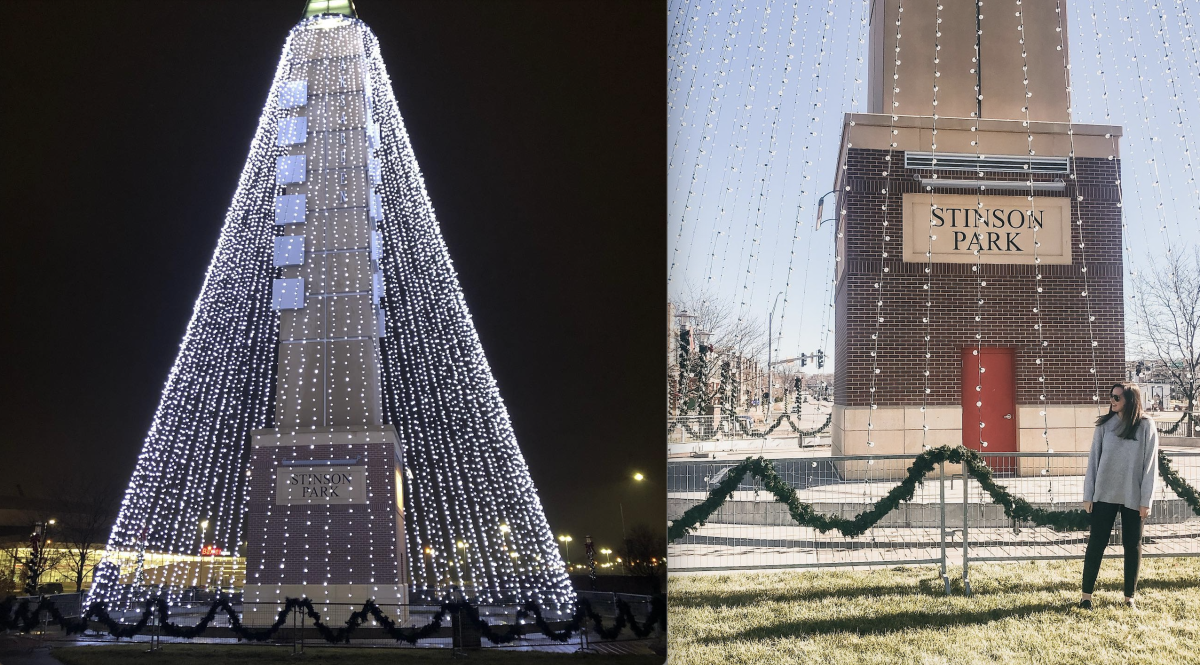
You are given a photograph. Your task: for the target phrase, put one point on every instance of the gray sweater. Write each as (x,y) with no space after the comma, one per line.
(1122,471)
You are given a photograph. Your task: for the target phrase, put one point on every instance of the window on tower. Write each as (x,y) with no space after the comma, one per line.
(293,94)
(290,169)
(292,130)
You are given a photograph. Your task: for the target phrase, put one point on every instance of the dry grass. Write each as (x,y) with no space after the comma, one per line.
(1018,613)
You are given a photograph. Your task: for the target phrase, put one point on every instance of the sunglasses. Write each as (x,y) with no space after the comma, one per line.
(1116,397)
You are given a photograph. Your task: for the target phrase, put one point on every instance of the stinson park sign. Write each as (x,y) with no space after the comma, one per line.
(1002,229)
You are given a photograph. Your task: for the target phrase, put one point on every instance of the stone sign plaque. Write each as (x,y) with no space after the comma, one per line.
(1002,229)
(320,484)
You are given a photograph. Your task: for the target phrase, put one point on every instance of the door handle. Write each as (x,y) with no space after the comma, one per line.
(1008,416)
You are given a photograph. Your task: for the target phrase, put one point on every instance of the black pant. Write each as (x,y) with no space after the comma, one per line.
(1103,516)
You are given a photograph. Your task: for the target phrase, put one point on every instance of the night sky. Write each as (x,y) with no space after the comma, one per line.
(538,127)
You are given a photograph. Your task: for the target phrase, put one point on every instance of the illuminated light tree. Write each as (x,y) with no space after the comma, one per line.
(473,516)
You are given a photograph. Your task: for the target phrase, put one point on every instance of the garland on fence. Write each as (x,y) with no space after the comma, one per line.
(749,432)
(804,514)
(1175,428)
(794,426)
(779,421)
(1177,484)
(24,618)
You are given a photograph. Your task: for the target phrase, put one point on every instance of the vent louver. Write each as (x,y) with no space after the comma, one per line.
(947,161)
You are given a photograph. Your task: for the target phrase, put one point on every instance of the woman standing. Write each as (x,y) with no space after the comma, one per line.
(1121,472)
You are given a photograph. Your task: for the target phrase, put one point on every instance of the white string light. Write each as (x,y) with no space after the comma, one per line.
(1040,361)
(775,104)
(929,235)
(679,61)
(1077,207)
(752,234)
(471,483)
(885,231)
(470,499)
(977,268)
(230,341)
(729,194)
(840,223)
(1154,148)
(1112,157)
(814,134)
(715,107)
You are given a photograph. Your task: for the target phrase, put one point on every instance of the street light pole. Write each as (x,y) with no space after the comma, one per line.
(566,543)
(770,322)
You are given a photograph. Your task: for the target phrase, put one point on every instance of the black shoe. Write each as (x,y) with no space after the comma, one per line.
(1085,604)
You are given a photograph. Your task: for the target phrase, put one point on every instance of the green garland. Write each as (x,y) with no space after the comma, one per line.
(723,388)
(1177,484)
(779,421)
(686,427)
(749,432)
(805,515)
(684,362)
(1174,428)
(14,616)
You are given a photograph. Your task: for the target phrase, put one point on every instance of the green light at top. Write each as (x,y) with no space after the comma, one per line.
(316,7)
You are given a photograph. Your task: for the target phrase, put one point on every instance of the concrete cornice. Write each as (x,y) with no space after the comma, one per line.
(955,135)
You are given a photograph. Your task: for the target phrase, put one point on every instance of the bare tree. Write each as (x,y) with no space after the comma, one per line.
(644,550)
(730,338)
(8,575)
(92,507)
(742,336)
(40,559)
(1168,305)
(787,377)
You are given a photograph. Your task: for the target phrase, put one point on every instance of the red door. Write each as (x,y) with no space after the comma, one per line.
(990,397)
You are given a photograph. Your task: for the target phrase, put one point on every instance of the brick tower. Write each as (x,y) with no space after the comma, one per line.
(934,222)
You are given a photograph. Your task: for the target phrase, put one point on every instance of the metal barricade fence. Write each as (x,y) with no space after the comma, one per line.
(948,521)
(67,603)
(710,428)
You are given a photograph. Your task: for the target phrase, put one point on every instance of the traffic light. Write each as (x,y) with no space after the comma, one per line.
(820,358)
(803,359)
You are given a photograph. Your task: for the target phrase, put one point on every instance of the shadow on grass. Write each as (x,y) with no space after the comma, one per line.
(993,587)
(932,587)
(883,624)
(743,597)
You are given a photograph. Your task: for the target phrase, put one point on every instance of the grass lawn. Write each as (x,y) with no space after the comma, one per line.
(210,654)
(1018,613)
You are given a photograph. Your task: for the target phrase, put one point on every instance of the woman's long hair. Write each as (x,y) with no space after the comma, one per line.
(1131,415)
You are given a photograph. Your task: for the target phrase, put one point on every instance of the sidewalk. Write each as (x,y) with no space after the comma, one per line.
(25,650)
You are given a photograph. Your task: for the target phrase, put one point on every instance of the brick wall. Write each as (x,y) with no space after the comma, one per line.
(1008,318)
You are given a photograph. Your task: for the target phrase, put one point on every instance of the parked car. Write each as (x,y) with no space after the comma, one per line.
(50,588)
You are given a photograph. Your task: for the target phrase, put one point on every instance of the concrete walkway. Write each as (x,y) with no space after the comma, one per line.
(25,650)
